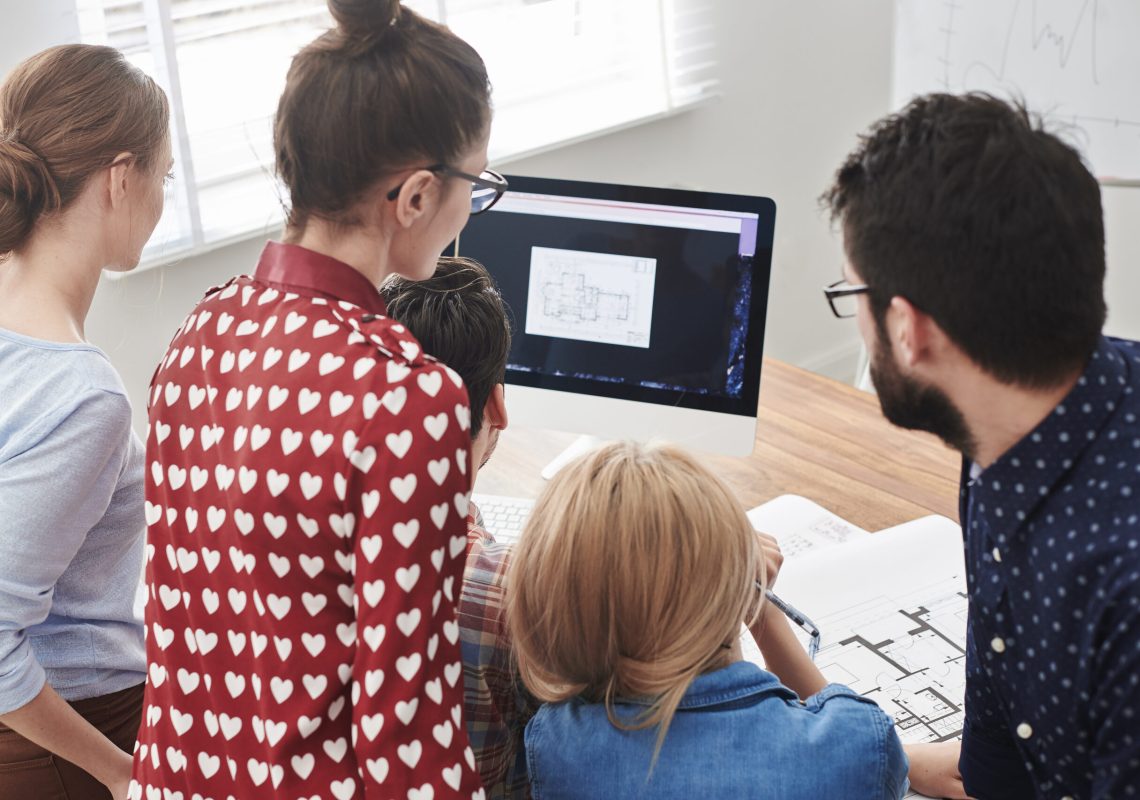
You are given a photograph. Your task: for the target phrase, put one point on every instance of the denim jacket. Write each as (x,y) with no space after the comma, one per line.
(737,733)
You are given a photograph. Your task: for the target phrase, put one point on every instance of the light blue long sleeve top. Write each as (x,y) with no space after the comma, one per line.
(71,524)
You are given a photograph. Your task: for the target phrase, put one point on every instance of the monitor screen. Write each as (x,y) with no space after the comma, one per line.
(651,295)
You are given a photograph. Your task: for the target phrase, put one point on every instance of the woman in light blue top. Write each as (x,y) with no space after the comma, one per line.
(627,592)
(84,149)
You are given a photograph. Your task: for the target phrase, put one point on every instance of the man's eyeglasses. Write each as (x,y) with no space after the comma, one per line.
(841,297)
(486,187)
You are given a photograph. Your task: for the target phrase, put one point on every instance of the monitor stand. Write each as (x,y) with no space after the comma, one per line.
(580,446)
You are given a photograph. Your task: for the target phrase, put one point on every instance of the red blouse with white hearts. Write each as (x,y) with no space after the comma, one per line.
(307,491)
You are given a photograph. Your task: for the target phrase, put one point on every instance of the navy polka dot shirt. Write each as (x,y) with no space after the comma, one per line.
(1052,534)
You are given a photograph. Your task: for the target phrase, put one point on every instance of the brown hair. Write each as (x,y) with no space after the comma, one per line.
(383,90)
(65,114)
(459,317)
(971,209)
(636,566)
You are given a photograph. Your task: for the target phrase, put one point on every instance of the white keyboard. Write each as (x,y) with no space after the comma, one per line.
(503,516)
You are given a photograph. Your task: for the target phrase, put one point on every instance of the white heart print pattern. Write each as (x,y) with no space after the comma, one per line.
(303,467)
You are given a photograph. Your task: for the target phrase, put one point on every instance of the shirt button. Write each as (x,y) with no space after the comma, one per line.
(1024,731)
(998,644)
(997,555)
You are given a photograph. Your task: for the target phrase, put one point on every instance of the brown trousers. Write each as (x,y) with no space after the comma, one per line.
(28,772)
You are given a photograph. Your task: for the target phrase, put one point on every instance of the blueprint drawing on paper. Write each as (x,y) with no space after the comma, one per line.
(891,609)
(908,657)
(801,526)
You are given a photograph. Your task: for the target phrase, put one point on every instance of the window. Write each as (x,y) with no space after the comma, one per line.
(561,70)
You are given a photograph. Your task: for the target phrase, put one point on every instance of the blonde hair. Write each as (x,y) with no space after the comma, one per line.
(631,577)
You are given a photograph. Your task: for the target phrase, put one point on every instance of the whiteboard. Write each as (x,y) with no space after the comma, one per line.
(1075,61)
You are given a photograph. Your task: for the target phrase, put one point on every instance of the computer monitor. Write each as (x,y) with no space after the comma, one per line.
(638,313)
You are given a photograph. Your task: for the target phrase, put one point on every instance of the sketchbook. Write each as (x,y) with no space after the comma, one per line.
(891,608)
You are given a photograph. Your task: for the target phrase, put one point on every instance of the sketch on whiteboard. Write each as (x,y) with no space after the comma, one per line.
(1054,35)
(1074,62)
(593,297)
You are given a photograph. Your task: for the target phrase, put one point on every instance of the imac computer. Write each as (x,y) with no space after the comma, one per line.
(638,313)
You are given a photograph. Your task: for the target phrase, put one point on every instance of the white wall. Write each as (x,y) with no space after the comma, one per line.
(134,318)
(28,26)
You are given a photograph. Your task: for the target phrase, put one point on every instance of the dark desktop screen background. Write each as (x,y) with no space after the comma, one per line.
(702,300)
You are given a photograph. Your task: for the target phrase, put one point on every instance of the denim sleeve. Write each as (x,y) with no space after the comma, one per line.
(896,766)
(533,736)
(880,760)
(53,490)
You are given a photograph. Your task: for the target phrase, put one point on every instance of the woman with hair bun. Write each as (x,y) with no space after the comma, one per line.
(638,657)
(309,465)
(84,148)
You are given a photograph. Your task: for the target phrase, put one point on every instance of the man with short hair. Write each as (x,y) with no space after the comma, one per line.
(459,317)
(975,265)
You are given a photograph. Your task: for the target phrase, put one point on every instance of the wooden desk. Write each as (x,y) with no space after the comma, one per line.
(816,437)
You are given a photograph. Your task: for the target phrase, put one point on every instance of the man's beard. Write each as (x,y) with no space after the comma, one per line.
(917,407)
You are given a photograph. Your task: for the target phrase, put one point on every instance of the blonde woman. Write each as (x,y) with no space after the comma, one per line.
(628,588)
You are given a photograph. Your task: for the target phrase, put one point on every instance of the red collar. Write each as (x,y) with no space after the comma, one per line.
(297,269)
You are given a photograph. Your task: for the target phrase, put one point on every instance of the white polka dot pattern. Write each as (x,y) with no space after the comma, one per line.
(1053,560)
(307,497)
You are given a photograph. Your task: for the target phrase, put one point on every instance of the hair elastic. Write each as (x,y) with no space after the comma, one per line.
(13,137)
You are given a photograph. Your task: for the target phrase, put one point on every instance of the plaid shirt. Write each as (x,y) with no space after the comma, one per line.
(496,705)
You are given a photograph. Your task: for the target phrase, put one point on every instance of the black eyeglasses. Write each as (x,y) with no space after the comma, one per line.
(486,187)
(841,297)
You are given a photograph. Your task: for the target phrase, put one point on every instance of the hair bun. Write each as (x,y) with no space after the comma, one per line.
(27,190)
(365,19)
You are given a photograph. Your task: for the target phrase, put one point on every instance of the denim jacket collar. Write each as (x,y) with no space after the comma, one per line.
(735,682)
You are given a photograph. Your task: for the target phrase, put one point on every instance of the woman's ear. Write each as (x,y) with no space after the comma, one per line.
(416,195)
(117,178)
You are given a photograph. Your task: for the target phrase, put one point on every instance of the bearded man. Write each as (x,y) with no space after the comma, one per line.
(974,244)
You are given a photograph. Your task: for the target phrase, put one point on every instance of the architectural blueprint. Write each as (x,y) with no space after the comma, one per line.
(907,656)
(592,297)
(891,608)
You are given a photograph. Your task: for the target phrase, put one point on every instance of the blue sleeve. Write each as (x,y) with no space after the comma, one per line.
(53,490)
(881,771)
(896,766)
